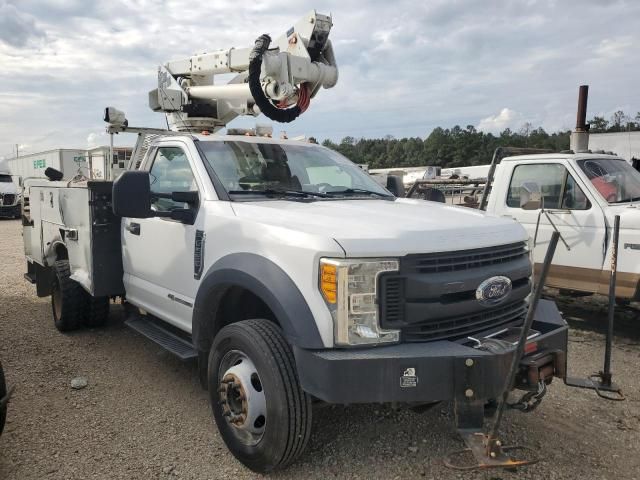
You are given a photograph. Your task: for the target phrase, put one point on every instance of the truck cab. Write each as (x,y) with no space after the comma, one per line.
(578,195)
(291,276)
(9,197)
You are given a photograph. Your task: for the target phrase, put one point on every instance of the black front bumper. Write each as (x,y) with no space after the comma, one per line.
(424,372)
(10,211)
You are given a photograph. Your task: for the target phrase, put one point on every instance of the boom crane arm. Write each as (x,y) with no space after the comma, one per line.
(277,78)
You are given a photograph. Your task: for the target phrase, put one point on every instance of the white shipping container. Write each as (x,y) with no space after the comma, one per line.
(69,161)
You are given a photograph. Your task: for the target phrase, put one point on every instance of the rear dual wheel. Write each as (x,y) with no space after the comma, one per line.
(71,305)
(262,413)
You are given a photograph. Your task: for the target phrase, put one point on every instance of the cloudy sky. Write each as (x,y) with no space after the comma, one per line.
(405,66)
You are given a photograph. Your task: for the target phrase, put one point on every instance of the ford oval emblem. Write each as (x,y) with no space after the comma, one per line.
(493,290)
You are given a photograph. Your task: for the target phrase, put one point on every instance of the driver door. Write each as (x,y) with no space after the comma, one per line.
(158,253)
(569,208)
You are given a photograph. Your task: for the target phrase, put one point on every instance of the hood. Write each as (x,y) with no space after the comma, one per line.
(629,215)
(6,187)
(382,227)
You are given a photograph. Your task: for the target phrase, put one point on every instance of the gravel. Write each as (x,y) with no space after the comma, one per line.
(144,416)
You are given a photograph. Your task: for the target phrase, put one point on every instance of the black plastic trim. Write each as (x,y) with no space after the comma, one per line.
(266,280)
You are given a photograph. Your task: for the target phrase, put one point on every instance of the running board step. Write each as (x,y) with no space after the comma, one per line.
(180,347)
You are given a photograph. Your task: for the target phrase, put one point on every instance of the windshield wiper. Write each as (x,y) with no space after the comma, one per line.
(277,192)
(358,191)
(628,200)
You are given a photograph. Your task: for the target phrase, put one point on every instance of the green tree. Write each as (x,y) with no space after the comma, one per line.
(618,122)
(598,124)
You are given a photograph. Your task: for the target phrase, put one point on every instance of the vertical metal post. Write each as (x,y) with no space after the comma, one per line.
(581,118)
(517,356)
(606,373)
(108,165)
(497,156)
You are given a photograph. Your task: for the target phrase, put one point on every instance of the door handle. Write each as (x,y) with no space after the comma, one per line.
(133,228)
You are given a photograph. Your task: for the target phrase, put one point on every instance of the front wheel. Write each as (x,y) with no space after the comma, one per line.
(262,413)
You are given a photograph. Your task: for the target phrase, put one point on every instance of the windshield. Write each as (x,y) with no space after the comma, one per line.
(5,178)
(614,179)
(296,170)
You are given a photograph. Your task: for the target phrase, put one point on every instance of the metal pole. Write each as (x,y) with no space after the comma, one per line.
(517,356)
(581,120)
(492,170)
(109,164)
(606,374)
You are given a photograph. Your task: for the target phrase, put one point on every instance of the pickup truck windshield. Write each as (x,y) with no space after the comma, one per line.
(614,179)
(5,178)
(248,169)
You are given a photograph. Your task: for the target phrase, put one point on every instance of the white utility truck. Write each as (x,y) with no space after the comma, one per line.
(578,195)
(9,197)
(284,268)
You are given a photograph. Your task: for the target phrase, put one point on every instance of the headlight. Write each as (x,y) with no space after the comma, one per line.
(349,289)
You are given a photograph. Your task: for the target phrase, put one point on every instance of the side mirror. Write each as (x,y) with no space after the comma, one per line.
(53,174)
(131,195)
(530,196)
(395,185)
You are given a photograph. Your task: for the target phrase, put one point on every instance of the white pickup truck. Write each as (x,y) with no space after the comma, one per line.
(579,195)
(293,276)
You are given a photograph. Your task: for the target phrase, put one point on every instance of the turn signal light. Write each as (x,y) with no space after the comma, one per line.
(328,282)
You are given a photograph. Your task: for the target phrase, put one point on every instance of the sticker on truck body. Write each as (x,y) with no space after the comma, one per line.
(409,379)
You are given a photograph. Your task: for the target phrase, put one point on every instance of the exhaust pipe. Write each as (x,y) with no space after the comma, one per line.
(580,136)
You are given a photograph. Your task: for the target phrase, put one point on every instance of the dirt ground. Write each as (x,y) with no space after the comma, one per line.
(144,416)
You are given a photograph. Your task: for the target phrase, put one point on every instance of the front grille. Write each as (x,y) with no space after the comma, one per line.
(464,260)
(432,297)
(393,295)
(465,325)
(8,199)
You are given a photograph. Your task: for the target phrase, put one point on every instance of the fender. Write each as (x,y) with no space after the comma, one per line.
(266,280)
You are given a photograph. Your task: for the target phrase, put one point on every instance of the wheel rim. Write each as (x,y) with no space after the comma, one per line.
(56,300)
(242,398)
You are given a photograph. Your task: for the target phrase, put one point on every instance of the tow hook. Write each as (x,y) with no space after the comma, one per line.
(540,367)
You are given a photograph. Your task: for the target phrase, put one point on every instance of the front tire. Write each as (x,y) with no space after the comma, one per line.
(262,413)
(68,301)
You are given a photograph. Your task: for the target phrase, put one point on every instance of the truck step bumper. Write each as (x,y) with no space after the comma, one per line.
(423,372)
(180,347)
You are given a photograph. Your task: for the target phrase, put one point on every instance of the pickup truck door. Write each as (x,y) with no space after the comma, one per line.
(158,253)
(568,207)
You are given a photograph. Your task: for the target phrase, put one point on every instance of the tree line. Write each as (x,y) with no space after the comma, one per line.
(459,147)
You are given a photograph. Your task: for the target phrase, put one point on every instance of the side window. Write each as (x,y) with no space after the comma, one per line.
(552,182)
(169,173)
(574,197)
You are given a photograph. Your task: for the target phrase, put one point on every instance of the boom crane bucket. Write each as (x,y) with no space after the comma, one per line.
(278,78)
